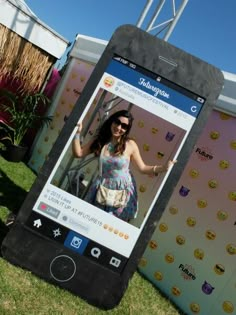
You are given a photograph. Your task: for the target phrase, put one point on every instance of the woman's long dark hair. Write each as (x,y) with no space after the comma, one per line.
(104,134)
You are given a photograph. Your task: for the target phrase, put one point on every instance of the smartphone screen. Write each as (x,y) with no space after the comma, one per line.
(164,114)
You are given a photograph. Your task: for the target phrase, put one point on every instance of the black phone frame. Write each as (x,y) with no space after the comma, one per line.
(95,283)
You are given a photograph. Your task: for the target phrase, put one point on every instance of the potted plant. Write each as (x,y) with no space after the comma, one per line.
(23,113)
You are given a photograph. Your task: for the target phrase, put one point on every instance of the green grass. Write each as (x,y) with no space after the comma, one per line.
(22,293)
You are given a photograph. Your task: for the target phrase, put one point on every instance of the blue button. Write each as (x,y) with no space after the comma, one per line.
(76,242)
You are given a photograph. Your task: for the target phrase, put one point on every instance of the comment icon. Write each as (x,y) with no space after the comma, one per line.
(96,252)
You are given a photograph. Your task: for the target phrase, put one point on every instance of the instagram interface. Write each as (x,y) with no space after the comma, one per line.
(164,114)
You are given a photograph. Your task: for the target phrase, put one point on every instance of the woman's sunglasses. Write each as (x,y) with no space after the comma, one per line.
(119,123)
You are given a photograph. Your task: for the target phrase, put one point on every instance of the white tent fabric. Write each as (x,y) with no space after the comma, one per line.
(227,98)
(17,16)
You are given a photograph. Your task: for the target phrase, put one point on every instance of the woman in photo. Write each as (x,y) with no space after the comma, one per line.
(114,189)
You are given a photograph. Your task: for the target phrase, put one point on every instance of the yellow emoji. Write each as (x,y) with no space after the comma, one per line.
(210,235)
(228,307)
(175,291)
(231,249)
(194,173)
(232,195)
(191,221)
(169,258)
(154,130)
(199,253)
(222,215)
(195,308)
(141,123)
(143,262)
(153,244)
(219,269)
(173,209)
(163,227)
(146,147)
(160,155)
(223,164)
(201,203)
(180,239)
(214,135)
(108,81)
(142,188)
(158,275)
(233,144)
(212,183)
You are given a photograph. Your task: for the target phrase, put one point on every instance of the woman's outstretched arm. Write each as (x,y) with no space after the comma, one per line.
(144,168)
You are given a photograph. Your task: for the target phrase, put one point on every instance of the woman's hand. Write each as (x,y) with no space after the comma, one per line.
(170,163)
(163,168)
(79,127)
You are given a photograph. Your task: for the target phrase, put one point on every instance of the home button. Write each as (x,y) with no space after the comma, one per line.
(62,268)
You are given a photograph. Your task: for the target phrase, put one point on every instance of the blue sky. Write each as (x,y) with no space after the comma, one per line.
(206,28)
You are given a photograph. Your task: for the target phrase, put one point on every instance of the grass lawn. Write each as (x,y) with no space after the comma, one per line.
(22,293)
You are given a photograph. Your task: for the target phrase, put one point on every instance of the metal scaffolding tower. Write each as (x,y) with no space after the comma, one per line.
(167,25)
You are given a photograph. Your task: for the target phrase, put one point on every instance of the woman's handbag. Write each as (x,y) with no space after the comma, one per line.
(110,197)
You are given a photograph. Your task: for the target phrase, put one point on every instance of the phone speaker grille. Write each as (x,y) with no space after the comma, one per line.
(170,62)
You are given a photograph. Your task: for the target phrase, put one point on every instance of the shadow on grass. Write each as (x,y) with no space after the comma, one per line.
(3,232)
(12,196)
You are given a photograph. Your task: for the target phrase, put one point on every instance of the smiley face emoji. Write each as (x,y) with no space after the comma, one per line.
(154,131)
(214,135)
(201,203)
(219,269)
(108,81)
(180,239)
(195,308)
(153,244)
(228,307)
(74,75)
(173,209)
(222,215)
(163,227)
(191,221)
(233,144)
(169,258)
(210,235)
(194,173)
(175,291)
(141,123)
(160,155)
(199,253)
(146,147)
(158,276)
(142,188)
(232,195)
(224,164)
(231,249)
(212,183)
(143,262)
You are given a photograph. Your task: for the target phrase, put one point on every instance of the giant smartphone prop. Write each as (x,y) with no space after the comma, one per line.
(70,242)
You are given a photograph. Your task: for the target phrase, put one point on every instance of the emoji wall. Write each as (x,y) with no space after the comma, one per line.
(79,68)
(192,254)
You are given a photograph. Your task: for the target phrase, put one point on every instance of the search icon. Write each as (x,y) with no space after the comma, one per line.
(95,252)
(194,109)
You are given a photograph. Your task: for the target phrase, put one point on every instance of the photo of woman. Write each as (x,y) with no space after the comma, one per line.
(114,189)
